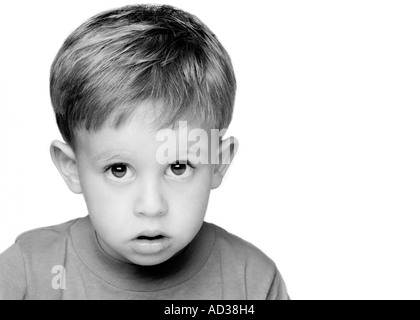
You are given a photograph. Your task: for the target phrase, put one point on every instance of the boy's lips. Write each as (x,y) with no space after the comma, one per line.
(151,235)
(151,242)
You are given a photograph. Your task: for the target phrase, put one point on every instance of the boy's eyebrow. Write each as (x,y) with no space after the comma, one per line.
(116,154)
(103,155)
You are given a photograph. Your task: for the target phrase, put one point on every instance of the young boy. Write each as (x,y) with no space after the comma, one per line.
(130,87)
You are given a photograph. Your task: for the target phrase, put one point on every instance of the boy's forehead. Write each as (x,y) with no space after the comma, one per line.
(139,130)
(134,136)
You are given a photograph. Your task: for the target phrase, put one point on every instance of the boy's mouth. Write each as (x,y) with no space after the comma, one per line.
(151,243)
(151,235)
(150,238)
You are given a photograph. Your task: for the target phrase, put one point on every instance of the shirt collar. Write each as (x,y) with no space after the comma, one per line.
(126,276)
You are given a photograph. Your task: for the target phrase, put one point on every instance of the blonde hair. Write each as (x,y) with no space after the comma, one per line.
(122,57)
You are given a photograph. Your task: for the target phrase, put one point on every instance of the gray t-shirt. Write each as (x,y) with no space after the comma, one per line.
(67,262)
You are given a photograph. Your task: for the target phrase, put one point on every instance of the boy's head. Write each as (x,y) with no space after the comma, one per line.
(117,80)
(123,57)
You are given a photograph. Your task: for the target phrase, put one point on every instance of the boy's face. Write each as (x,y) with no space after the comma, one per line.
(144,212)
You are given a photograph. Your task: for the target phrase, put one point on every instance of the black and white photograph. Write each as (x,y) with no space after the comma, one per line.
(210,150)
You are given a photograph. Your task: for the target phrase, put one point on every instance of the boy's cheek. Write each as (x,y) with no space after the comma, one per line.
(104,200)
(190,200)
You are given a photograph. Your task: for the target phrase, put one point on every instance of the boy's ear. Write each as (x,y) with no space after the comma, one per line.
(226,152)
(64,159)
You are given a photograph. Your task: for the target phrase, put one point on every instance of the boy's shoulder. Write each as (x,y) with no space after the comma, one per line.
(241,262)
(235,248)
(45,238)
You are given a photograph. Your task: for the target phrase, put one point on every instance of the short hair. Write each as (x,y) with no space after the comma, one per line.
(120,58)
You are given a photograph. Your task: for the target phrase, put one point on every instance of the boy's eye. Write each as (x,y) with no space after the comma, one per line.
(118,171)
(179,169)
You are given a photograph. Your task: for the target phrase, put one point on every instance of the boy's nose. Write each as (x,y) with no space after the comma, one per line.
(150,200)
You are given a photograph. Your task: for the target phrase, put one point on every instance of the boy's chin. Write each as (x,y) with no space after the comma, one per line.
(148,261)
(153,260)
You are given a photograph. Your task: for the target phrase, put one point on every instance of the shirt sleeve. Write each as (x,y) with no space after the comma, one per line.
(278,290)
(12,274)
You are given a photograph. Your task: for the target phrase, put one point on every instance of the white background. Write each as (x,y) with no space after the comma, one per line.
(327,178)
